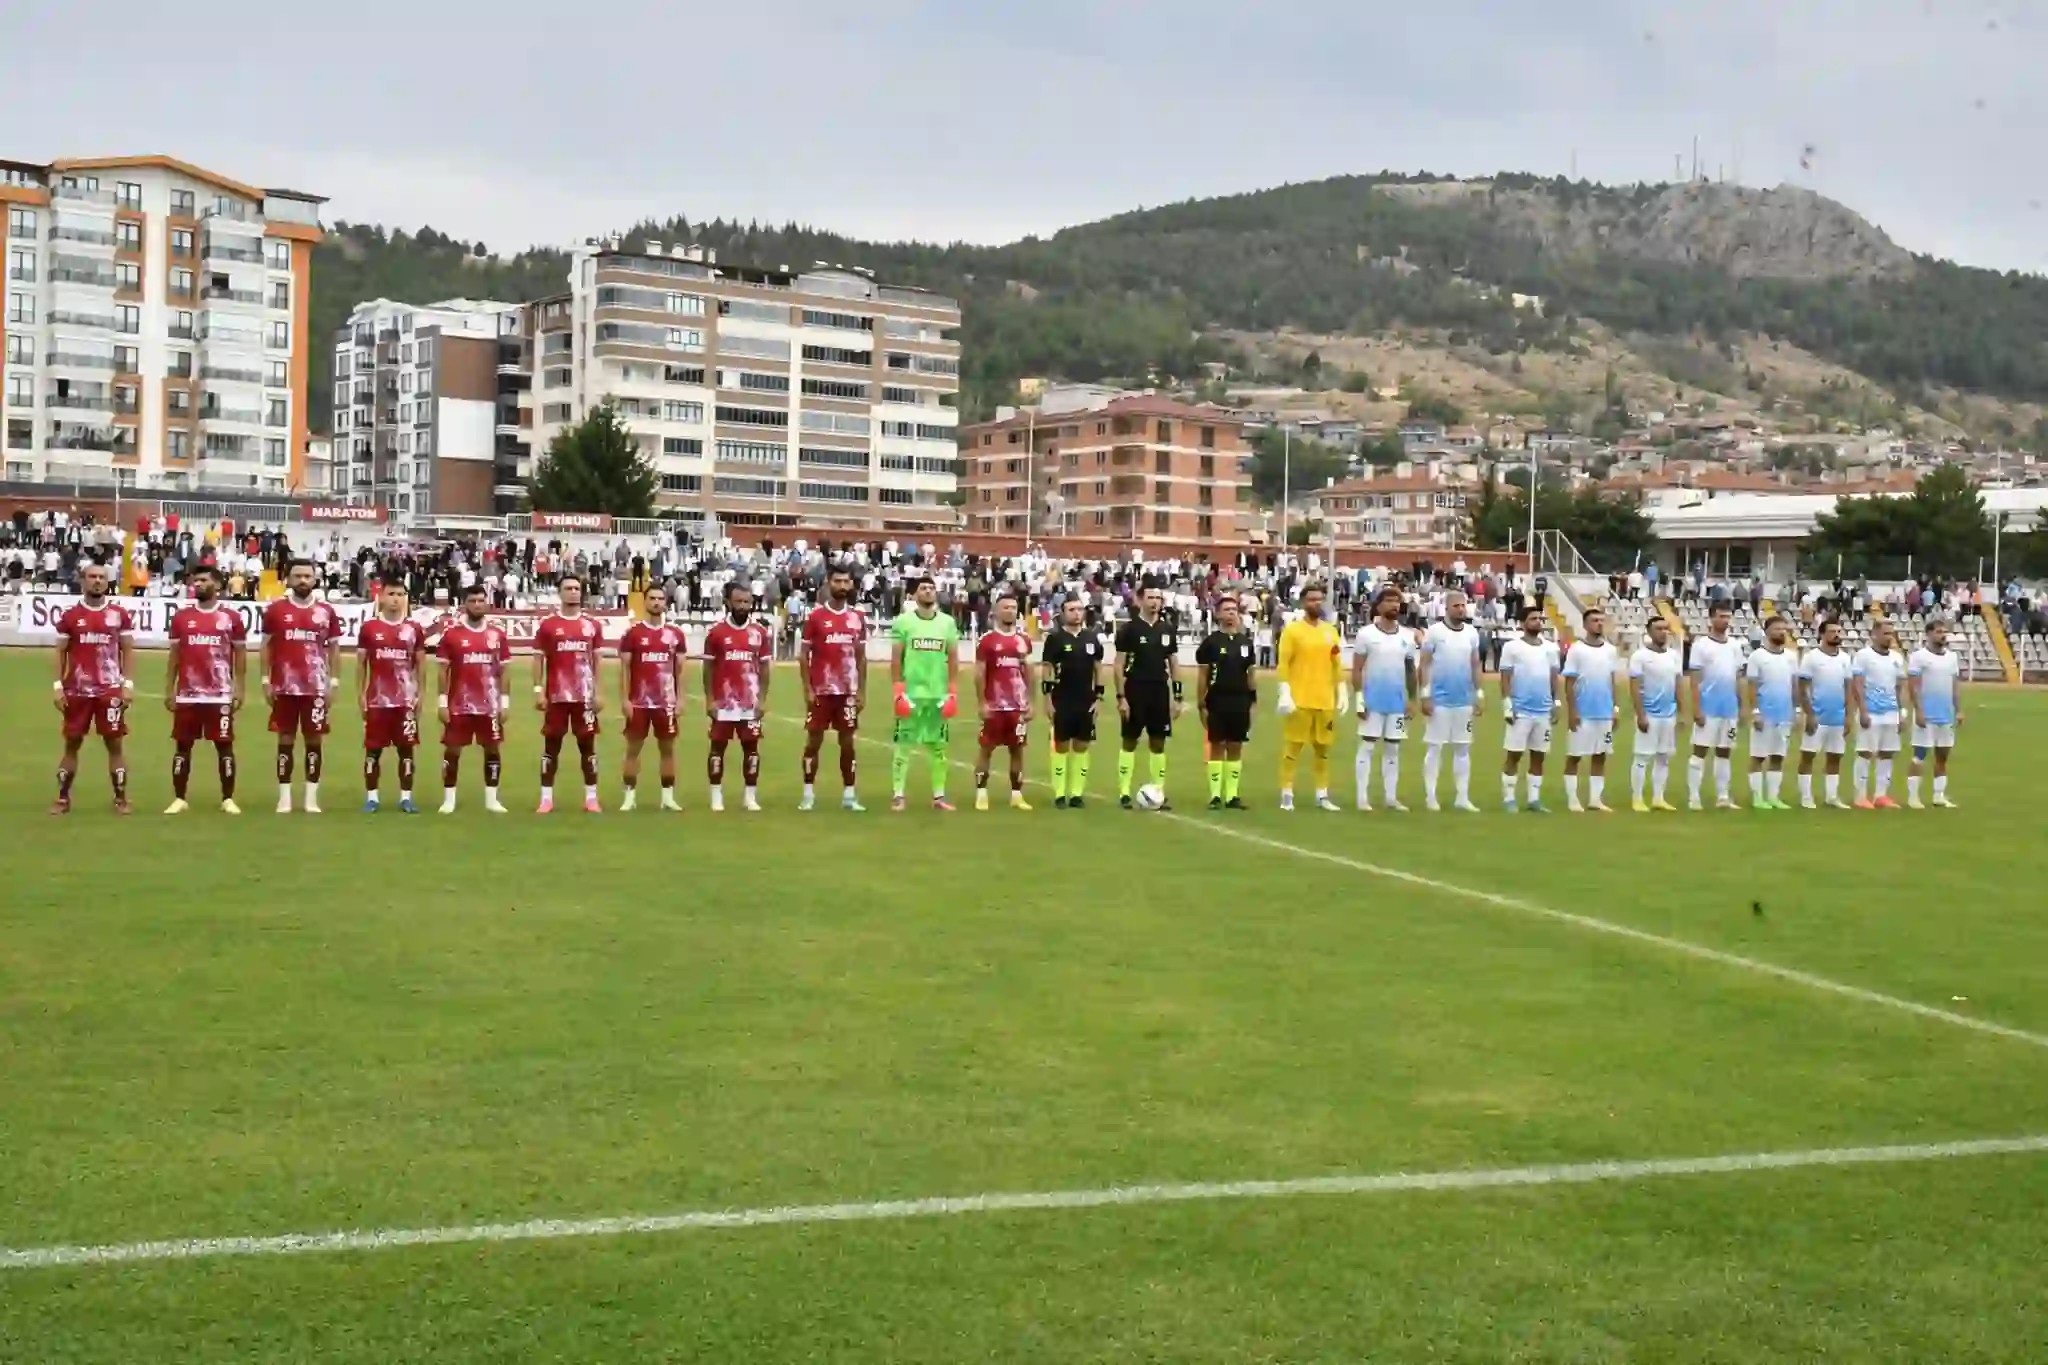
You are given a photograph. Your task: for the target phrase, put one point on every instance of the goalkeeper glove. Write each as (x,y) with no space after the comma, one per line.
(1343,698)
(902,702)
(1285,704)
(952,706)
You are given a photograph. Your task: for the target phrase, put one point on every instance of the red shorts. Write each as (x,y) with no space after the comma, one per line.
(193,721)
(659,721)
(107,714)
(745,731)
(569,718)
(460,731)
(1005,729)
(833,713)
(391,727)
(298,716)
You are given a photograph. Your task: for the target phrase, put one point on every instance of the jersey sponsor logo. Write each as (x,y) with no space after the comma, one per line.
(927,643)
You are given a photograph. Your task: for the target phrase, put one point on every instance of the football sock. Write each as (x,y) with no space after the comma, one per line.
(899,769)
(1077,775)
(1432,763)
(750,764)
(1361,770)
(1834,786)
(1390,772)
(494,767)
(1461,771)
(1533,784)
(373,770)
(1126,769)
(1774,782)
(119,777)
(1571,788)
(849,766)
(1290,759)
(1507,787)
(1156,769)
(1638,775)
(181,772)
(1233,776)
(1859,781)
(1597,783)
(314,759)
(1724,777)
(1941,787)
(284,768)
(1884,777)
(1912,786)
(1319,766)
(1059,774)
(937,754)
(810,770)
(1215,769)
(408,768)
(65,777)
(1806,786)
(1695,777)
(1756,785)
(1660,776)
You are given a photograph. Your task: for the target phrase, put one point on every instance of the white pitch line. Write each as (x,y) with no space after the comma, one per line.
(1591,924)
(1124,1196)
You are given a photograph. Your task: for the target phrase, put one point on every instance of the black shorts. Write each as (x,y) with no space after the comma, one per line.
(1230,720)
(1151,707)
(1073,721)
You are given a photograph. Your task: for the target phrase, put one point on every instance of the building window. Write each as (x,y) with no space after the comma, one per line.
(833,492)
(274,374)
(127,275)
(751,452)
(837,459)
(687,304)
(280,336)
(836,355)
(675,411)
(685,339)
(847,322)
(181,242)
(895,495)
(21,350)
(281,295)
(556,412)
(128,195)
(681,483)
(274,413)
(834,388)
(21,391)
(21,222)
(681,446)
(128,236)
(280,254)
(21,308)
(750,379)
(753,417)
(127,319)
(183,204)
(178,445)
(683,374)
(274,454)
(748,488)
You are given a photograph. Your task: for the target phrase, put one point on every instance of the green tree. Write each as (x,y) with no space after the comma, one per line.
(1612,533)
(1300,463)
(1355,381)
(1383,452)
(1424,405)
(1939,528)
(595,466)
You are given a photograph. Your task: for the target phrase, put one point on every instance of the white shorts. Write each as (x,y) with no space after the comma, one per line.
(1825,739)
(1881,736)
(1391,726)
(1590,737)
(1773,741)
(1528,734)
(1934,736)
(1448,725)
(1717,733)
(1660,738)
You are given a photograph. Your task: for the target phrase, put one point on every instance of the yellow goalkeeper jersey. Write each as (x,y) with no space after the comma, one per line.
(1311,662)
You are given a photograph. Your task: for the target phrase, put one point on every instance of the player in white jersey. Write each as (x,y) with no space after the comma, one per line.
(1447,678)
(1876,677)
(1382,679)
(1653,674)
(1771,676)
(1824,675)
(1529,669)
(1589,669)
(1716,669)
(1934,676)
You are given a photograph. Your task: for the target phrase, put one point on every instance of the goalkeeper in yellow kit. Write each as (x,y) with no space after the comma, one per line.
(1312,694)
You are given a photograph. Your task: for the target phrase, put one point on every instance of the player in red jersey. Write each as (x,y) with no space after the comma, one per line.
(473,699)
(389,648)
(737,652)
(832,664)
(204,681)
(1002,675)
(651,694)
(565,650)
(92,690)
(300,652)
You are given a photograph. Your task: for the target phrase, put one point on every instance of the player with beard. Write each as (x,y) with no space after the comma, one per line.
(300,635)
(737,652)
(389,648)
(565,649)
(1002,672)
(832,665)
(205,680)
(651,693)
(94,651)
(474,697)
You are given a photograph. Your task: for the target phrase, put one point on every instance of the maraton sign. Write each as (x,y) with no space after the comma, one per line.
(341,511)
(572,521)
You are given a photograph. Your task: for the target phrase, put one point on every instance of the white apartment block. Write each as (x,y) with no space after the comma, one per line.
(765,397)
(155,329)
(417,393)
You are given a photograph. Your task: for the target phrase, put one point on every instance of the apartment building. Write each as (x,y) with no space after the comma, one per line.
(155,331)
(417,392)
(1401,511)
(817,397)
(1090,462)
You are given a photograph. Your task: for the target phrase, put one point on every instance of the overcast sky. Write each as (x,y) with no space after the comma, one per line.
(517,121)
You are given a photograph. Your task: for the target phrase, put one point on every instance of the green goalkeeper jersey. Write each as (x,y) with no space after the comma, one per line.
(928,643)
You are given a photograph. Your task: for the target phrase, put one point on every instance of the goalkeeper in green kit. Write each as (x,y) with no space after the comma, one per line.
(924,665)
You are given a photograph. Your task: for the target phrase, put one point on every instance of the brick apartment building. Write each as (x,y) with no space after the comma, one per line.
(1129,466)
(1394,512)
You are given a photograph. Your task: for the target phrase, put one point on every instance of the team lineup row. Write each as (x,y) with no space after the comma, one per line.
(1821,696)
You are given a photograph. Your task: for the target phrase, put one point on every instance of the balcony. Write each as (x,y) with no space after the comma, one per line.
(69,318)
(214,251)
(78,402)
(231,374)
(231,215)
(26,274)
(210,412)
(248,296)
(178,333)
(79,194)
(84,236)
(181,293)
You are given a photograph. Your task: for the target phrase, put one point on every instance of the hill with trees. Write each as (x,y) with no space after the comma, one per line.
(1143,294)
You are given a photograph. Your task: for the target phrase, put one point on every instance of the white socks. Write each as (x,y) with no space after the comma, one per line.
(1361,772)
(1834,786)
(1756,785)
(1532,783)
(1724,777)
(1597,784)
(1774,782)
(1806,787)
(1638,774)
(1432,761)
(1390,773)
(1695,777)
(1859,782)
(1461,772)
(1507,787)
(1884,778)
(1941,787)
(1660,776)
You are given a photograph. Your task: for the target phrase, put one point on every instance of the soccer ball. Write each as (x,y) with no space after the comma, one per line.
(1150,797)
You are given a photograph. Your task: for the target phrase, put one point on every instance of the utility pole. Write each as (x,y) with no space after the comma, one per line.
(1286,476)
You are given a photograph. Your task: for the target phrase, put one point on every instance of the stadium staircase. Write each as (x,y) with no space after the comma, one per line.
(1669,612)
(2001,646)
(269,587)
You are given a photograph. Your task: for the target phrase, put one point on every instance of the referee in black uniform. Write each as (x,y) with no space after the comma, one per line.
(1224,695)
(1148,694)
(1070,664)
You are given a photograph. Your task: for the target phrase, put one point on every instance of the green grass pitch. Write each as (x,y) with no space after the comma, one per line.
(218,1028)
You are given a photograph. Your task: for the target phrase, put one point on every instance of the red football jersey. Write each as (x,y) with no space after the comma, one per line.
(834,641)
(93,667)
(570,646)
(651,655)
(208,640)
(390,650)
(739,655)
(1005,675)
(299,638)
(475,656)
